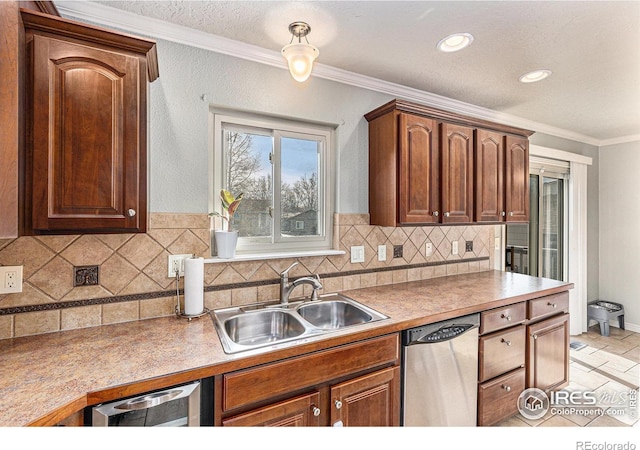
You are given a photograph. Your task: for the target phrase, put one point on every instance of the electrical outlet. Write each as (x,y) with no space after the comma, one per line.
(382,252)
(357,254)
(454,248)
(176,262)
(10,279)
(428,249)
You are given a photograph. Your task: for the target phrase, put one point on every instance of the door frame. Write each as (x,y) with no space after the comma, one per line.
(575,232)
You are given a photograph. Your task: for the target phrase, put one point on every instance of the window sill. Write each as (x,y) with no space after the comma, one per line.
(260,256)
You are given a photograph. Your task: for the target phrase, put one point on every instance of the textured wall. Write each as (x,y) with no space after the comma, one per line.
(620,227)
(179,121)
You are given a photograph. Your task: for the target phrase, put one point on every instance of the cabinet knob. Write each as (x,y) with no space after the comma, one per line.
(506,388)
(535,336)
(505,341)
(505,316)
(446,214)
(511,213)
(553,305)
(315,410)
(436,213)
(504,213)
(338,404)
(131,212)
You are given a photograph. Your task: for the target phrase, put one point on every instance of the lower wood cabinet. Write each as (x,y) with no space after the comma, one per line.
(548,353)
(367,401)
(352,385)
(532,353)
(300,411)
(499,397)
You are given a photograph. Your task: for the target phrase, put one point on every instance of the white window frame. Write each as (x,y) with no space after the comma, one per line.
(326,179)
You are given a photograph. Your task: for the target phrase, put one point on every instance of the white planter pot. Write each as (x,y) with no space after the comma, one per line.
(226,243)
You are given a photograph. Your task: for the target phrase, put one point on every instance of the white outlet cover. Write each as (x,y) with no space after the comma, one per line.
(357,254)
(10,279)
(428,249)
(454,248)
(170,272)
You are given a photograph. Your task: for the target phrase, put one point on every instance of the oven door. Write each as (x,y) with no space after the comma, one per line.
(174,407)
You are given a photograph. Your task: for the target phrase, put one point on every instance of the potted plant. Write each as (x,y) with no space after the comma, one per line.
(226,240)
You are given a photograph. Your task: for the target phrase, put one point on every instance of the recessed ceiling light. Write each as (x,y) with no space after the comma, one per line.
(536,75)
(455,42)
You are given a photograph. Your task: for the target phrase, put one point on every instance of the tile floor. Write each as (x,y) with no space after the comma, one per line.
(608,366)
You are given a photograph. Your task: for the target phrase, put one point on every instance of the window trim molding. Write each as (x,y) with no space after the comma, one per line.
(260,120)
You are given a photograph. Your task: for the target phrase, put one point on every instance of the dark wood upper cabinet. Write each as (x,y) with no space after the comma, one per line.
(87,127)
(428,166)
(457,173)
(489,201)
(517,179)
(419,167)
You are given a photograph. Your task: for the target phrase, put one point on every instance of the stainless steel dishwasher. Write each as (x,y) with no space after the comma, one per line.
(440,373)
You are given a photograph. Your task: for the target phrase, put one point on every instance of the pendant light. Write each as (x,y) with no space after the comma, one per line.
(300,56)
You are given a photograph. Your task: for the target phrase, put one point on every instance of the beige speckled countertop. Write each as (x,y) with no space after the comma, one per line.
(44,378)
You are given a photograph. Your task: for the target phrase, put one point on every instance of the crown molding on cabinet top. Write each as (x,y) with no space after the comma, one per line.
(159,29)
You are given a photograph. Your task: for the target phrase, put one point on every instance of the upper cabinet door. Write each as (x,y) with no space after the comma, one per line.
(88,155)
(457,174)
(517,179)
(419,170)
(489,200)
(86,139)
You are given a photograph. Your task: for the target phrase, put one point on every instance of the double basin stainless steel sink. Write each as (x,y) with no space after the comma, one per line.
(277,325)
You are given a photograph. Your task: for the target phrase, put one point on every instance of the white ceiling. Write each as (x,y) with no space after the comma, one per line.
(592,47)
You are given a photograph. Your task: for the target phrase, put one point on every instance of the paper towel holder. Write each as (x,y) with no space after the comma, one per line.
(179,312)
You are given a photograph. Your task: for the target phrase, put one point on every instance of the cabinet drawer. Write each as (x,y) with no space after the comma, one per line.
(498,399)
(501,352)
(549,305)
(496,319)
(261,383)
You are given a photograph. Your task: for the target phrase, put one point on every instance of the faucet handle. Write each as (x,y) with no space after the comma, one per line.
(286,272)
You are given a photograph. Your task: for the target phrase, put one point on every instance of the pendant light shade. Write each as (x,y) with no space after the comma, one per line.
(300,56)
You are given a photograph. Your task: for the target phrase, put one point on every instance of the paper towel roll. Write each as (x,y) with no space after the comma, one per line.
(193,286)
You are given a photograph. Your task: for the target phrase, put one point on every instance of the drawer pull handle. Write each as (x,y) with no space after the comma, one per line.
(338,404)
(315,410)
(506,388)
(505,341)
(505,316)
(553,305)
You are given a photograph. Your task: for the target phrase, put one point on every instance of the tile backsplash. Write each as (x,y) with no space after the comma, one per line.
(133,282)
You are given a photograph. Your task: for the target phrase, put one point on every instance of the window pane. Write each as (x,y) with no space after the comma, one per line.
(299,187)
(248,171)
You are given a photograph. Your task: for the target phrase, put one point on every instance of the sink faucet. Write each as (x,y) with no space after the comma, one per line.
(286,287)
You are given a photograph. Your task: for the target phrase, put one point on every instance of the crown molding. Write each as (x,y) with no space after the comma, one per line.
(132,23)
(620,140)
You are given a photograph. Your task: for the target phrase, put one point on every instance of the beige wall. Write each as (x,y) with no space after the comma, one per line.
(133,270)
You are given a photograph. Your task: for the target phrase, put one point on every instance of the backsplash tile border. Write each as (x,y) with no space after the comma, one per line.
(133,269)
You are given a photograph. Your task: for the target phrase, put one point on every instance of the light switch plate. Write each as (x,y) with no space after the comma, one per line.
(382,252)
(357,254)
(10,279)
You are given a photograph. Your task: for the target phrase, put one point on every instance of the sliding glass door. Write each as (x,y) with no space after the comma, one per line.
(537,248)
